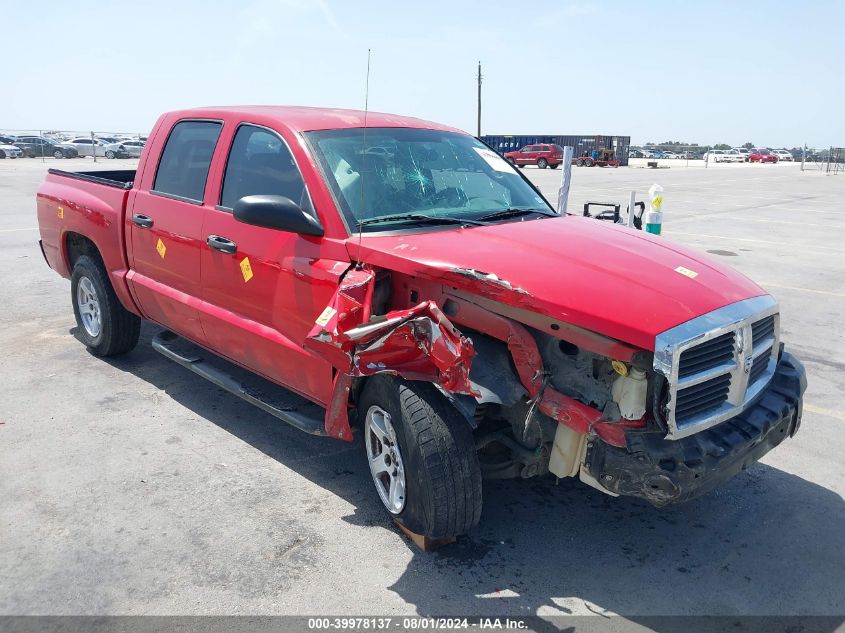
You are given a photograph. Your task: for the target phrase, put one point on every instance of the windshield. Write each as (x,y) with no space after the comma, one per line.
(378,172)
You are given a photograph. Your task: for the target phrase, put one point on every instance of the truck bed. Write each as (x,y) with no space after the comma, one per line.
(121,178)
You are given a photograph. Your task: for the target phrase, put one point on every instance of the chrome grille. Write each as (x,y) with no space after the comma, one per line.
(703,397)
(717,363)
(711,354)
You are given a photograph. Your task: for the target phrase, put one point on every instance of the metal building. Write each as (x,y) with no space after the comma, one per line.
(510,142)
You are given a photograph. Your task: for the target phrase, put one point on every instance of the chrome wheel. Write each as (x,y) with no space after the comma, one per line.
(385,460)
(89,307)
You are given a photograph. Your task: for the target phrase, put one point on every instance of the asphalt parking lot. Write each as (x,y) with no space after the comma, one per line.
(131,486)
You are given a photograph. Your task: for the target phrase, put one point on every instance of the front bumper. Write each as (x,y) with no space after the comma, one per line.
(664,471)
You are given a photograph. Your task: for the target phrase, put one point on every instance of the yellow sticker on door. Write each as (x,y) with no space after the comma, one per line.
(161,248)
(61,212)
(246,269)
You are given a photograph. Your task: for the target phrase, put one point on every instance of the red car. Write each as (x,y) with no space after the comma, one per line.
(762,155)
(403,278)
(542,154)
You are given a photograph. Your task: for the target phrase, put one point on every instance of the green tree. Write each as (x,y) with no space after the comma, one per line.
(721,146)
(748,145)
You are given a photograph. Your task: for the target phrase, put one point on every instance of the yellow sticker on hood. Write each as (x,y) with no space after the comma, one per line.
(686,272)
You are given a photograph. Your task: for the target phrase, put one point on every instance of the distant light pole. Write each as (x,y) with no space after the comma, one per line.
(479,98)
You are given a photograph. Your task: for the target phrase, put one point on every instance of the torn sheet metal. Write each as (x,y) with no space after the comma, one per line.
(419,343)
(562,408)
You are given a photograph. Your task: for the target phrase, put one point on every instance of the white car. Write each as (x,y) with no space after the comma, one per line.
(670,155)
(86,147)
(744,151)
(782,155)
(10,151)
(723,156)
(124,149)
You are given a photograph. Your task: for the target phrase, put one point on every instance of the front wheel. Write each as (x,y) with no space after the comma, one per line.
(105,326)
(542,163)
(422,457)
(58,154)
(110,154)
(555,165)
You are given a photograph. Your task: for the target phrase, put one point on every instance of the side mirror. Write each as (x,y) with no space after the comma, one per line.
(276,212)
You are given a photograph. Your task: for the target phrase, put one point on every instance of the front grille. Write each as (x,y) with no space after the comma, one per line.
(699,399)
(762,329)
(716,364)
(759,366)
(717,351)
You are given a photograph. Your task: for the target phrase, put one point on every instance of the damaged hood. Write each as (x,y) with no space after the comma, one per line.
(619,282)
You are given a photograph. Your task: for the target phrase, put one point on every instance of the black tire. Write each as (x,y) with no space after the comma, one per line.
(110,154)
(555,166)
(2,154)
(119,329)
(588,162)
(542,163)
(443,478)
(580,162)
(58,154)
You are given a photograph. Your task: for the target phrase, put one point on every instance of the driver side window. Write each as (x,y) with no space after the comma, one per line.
(260,163)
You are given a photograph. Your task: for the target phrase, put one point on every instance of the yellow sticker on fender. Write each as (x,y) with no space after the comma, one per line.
(161,248)
(686,272)
(61,212)
(327,314)
(246,269)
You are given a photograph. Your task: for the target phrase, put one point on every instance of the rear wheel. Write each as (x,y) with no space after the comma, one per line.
(588,162)
(542,163)
(580,162)
(422,457)
(105,326)
(58,154)
(511,161)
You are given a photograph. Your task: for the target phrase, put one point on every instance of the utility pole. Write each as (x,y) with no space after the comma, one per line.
(479,98)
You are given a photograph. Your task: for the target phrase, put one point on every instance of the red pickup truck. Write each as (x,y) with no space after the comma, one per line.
(406,280)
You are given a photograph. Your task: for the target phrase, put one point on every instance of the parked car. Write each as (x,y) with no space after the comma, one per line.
(86,147)
(124,149)
(735,156)
(762,155)
(541,154)
(668,154)
(722,156)
(783,155)
(8,140)
(422,309)
(636,153)
(744,151)
(7,150)
(36,146)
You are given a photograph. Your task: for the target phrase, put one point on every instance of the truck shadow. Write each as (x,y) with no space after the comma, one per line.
(768,542)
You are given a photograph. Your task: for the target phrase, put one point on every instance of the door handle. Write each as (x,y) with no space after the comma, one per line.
(144,221)
(222,244)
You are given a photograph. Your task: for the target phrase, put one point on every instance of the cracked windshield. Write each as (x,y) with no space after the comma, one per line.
(424,176)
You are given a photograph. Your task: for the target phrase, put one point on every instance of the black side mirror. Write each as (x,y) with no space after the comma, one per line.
(276,212)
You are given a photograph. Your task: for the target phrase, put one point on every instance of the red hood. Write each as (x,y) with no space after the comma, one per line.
(605,278)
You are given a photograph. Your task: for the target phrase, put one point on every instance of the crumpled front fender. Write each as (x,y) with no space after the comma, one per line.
(418,343)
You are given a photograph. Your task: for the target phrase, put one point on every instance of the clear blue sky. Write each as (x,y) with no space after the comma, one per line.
(718,71)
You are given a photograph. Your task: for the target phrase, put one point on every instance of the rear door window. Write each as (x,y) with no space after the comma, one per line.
(260,163)
(183,167)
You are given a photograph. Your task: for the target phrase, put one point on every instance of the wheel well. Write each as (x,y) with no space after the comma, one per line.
(77,245)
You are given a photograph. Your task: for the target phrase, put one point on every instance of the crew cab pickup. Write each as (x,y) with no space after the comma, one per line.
(405,280)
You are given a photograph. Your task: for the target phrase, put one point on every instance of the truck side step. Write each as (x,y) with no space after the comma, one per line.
(267,396)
